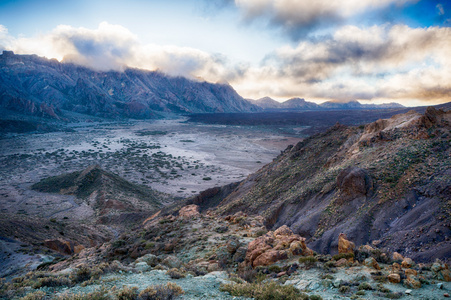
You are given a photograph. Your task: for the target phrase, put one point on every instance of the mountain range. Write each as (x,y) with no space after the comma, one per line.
(299,104)
(36,86)
(43,87)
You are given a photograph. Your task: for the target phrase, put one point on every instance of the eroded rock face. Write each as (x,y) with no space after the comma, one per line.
(345,246)
(354,182)
(189,211)
(274,246)
(63,246)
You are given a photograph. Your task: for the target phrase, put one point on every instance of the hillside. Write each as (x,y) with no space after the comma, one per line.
(37,86)
(388,181)
(384,186)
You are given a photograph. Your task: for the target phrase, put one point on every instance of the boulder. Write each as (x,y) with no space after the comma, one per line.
(397,257)
(409,272)
(341,262)
(274,246)
(150,259)
(407,263)
(345,246)
(370,262)
(412,282)
(394,278)
(171,262)
(269,257)
(354,182)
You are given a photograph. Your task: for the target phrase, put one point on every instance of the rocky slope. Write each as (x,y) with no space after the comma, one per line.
(388,183)
(102,206)
(37,86)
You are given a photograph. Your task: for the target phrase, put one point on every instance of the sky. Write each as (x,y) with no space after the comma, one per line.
(374,51)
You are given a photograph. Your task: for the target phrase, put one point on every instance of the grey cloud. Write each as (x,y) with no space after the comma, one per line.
(299,18)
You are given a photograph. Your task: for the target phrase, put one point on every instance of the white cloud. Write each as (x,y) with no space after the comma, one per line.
(379,62)
(396,62)
(113,47)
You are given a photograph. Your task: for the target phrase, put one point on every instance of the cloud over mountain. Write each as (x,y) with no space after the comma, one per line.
(114,47)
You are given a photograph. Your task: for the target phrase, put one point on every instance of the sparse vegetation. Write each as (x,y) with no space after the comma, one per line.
(161,292)
(264,291)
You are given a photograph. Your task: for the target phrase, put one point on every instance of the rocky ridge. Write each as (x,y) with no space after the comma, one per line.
(37,86)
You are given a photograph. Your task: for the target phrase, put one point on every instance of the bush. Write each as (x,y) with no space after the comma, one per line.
(264,291)
(127,293)
(101,294)
(52,281)
(274,269)
(364,286)
(308,261)
(83,273)
(344,289)
(343,255)
(393,295)
(175,273)
(161,292)
(315,297)
(38,295)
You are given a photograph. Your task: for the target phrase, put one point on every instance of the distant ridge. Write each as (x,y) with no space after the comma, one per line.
(299,104)
(36,86)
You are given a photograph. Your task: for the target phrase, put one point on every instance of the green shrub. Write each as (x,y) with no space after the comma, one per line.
(274,269)
(343,255)
(308,261)
(365,286)
(315,297)
(264,291)
(38,295)
(344,289)
(393,295)
(161,292)
(360,293)
(127,293)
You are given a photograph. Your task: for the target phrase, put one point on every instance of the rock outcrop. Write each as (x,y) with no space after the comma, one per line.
(274,246)
(63,247)
(345,246)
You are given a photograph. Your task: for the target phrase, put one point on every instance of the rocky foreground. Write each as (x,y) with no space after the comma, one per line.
(353,213)
(205,256)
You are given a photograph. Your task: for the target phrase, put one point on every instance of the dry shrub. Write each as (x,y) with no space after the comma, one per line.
(161,292)
(264,291)
(175,273)
(127,293)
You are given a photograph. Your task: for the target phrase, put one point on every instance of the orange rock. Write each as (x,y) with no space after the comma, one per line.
(397,257)
(63,246)
(412,282)
(446,275)
(341,262)
(345,246)
(269,257)
(275,245)
(396,268)
(410,272)
(189,211)
(394,278)
(370,262)
(407,263)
